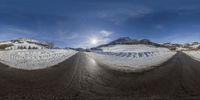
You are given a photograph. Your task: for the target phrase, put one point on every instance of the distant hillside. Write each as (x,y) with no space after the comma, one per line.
(186,46)
(129,41)
(24,43)
(171,46)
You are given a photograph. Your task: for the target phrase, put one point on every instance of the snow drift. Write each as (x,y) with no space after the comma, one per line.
(193,54)
(132,58)
(34,59)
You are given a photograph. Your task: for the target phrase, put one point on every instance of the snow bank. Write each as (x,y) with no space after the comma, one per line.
(34,59)
(181,49)
(193,54)
(195,46)
(131,48)
(5,42)
(132,58)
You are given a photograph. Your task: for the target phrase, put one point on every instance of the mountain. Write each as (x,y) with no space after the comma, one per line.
(129,41)
(24,43)
(195,45)
(181,47)
(123,40)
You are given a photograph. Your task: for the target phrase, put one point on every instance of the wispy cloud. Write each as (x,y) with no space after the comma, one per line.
(181,38)
(11,32)
(100,36)
(105,33)
(121,14)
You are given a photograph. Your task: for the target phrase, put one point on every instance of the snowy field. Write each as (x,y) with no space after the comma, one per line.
(193,54)
(26,45)
(132,48)
(34,59)
(134,58)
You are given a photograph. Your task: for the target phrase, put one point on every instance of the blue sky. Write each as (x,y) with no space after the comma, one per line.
(76,23)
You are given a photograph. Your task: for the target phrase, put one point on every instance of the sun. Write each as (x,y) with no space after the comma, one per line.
(93,41)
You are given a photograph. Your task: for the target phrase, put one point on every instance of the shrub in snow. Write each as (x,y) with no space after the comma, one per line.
(34,59)
(3,46)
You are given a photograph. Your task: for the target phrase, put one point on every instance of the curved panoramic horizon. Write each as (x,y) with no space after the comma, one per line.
(99,49)
(90,23)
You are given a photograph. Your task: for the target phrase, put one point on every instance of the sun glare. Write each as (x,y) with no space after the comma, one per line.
(94,41)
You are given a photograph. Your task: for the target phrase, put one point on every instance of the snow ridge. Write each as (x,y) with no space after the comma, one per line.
(34,59)
(193,54)
(132,58)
